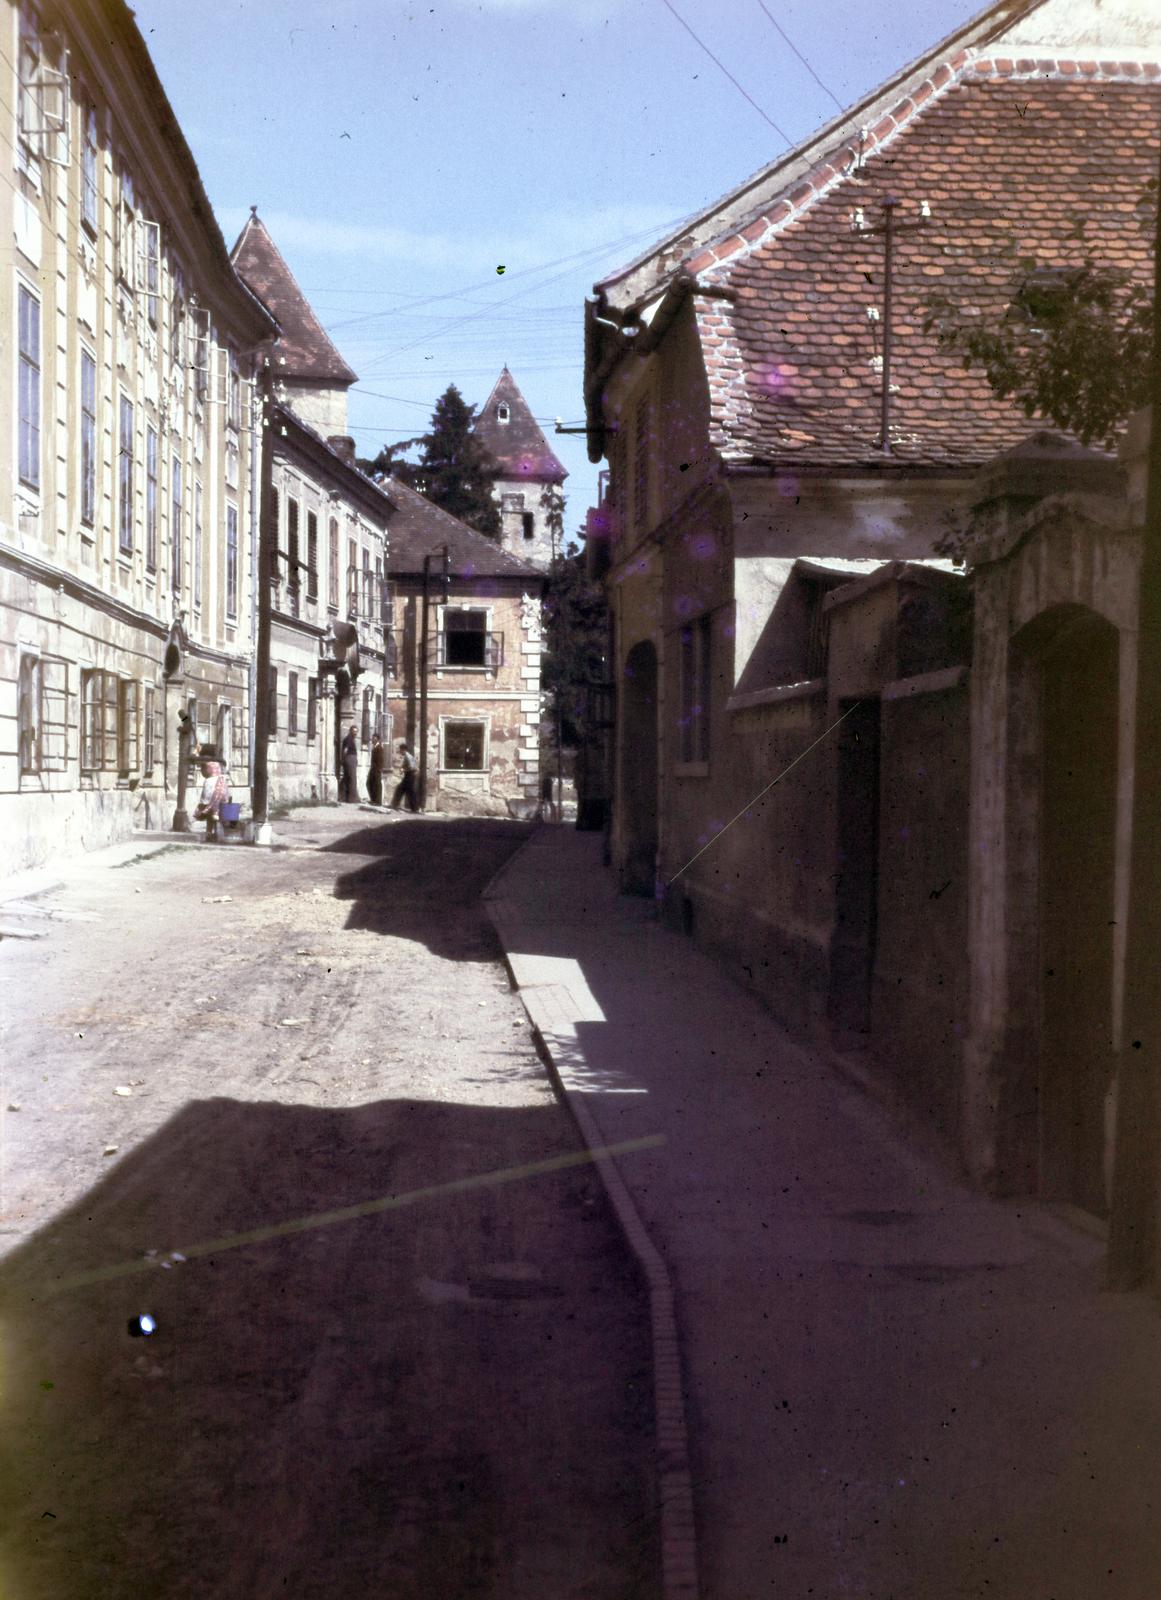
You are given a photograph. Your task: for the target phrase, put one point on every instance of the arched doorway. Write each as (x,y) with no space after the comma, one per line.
(1065,681)
(639,770)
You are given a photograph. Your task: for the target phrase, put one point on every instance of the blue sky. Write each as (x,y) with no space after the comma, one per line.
(400,153)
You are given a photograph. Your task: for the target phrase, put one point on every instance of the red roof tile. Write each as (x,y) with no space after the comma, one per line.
(305,348)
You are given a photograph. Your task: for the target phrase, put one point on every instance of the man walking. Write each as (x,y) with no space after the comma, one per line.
(405,788)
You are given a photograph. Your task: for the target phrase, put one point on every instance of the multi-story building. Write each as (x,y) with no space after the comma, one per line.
(482,663)
(328,642)
(128,461)
(528,486)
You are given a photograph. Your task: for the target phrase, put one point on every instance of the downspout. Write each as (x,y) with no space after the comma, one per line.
(255,517)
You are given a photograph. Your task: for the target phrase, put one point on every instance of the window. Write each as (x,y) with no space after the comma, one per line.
(150,499)
(42,714)
(311,709)
(466,638)
(463,746)
(352,578)
(694,722)
(177,317)
(125,480)
(365,720)
(200,336)
(234,394)
(293,565)
(176,529)
(231,561)
(272,690)
(127,724)
(333,564)
(29,341)
(292,705)
(528,522)
(368,610)
(275,535)
(127,230)
(149,740)
(28,713)
(198,547)
(225,734)
(90,169)
(379,609)
(150,273)
(311,556)
(42,99)
(100,705)
(511,503)
(503,414)
(88,439)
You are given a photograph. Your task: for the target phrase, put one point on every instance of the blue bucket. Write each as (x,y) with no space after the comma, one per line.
(231,811)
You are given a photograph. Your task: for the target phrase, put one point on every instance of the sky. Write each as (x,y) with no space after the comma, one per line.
(448,180)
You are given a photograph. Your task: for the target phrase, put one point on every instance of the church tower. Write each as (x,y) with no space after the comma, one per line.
(528,467)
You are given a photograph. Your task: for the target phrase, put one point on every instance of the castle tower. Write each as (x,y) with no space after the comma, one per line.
(527,468)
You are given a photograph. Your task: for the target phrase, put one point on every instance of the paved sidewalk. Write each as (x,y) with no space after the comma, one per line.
(894,1386)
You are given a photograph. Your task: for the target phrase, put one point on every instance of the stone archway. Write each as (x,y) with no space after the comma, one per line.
(639,771)
(1063,776)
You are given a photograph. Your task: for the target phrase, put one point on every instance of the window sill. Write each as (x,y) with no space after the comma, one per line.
(691,769)
(804,690)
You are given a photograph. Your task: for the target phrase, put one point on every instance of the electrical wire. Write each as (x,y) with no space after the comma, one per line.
(789,41)
(782,134)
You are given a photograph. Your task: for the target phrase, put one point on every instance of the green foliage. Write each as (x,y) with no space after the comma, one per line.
(454,470)
(576,641)
(1072,345)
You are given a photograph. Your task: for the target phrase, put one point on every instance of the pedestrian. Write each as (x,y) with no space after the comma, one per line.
(547,809)
(405,788)
(375,775)
(215,793)
(349,776)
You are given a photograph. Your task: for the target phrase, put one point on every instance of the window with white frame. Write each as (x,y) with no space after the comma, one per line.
(234,393)
(177,316)
(694,720)
(503,414)
(100,732)
(149,732)
(198,547)
(42,714)
(28,339)
(42,108)
(149,272)
(464,745)
(126,236)
(465,638)
(176,526)
(128,724)
(150,499)
(231,561)
(125,505)
(225,734)
(90,168)
(88,439)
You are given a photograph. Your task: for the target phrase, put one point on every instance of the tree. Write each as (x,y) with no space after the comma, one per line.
(576,630)
(454,470)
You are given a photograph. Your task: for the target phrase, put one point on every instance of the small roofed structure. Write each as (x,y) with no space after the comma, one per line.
(529,469)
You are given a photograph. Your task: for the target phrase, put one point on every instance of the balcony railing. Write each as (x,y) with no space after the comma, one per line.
(469,649)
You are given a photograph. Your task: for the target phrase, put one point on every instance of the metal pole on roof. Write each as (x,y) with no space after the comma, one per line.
(889,205)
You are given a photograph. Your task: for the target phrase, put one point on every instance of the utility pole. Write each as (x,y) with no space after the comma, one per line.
(267,536)
(887,230)
(424,637)
(1133,1220)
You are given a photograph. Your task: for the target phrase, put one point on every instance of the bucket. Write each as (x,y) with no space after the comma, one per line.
(231,811)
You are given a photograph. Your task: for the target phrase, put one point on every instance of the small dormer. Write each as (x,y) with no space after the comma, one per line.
(503,413)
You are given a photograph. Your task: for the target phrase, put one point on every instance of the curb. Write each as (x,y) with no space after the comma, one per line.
(679,1579)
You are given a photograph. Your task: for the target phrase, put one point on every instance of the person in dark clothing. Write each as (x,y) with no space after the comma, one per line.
(405,788)
(349,778)
(375,775)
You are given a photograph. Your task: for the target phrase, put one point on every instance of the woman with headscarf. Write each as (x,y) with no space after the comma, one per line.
(215,793)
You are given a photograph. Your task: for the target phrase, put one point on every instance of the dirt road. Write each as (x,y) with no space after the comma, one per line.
(446,1394)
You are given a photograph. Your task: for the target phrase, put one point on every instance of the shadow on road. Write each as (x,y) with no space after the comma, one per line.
(446,1398)
(424,880)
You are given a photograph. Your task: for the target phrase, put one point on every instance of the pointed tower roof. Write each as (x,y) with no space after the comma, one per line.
(518,443)
(308,352)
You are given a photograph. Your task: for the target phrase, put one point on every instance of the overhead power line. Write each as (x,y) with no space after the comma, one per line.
(721,66)
(789,41)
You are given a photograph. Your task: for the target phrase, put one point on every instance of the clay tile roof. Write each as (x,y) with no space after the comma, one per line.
(302,342)
(519,444)
(419,528)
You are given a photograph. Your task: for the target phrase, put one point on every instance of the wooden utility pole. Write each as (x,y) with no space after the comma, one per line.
(1133,1223)
(888,230)
(267,544)
(423,668)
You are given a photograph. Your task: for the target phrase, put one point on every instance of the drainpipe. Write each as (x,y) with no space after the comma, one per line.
(423,643)
(255,539)
(266,537)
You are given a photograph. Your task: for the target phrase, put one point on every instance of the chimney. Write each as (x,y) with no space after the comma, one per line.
(342,446)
